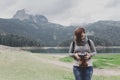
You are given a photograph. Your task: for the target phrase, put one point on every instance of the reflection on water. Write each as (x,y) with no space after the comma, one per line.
(108,50)
(66,49)
(48,49)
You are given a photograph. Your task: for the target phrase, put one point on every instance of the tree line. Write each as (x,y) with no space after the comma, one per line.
(17,41)
(97,42)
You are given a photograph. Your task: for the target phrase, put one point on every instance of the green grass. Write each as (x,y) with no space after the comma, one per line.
(101,60)
(66,59)
(107,61)
(106,78)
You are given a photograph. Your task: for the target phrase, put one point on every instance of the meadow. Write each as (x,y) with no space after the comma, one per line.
(110,60)
(16,64)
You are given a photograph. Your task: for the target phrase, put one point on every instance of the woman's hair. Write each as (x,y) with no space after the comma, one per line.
(77,34)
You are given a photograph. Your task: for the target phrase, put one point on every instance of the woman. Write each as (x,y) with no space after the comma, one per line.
(82,50)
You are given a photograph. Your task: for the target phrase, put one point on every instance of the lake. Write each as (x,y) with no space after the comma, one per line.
(66,49)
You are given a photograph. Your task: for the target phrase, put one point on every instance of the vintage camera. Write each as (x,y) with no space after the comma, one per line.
(82,55)
(83,60)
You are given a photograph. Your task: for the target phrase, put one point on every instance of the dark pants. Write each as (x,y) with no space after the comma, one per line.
(83,73)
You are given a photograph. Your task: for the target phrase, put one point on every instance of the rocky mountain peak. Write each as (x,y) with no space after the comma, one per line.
(22,15)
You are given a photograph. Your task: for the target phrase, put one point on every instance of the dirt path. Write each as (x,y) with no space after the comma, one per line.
(106,72)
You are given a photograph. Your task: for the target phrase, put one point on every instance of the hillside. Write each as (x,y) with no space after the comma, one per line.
(17,41)
(106,30)
(40,29)
(35,27)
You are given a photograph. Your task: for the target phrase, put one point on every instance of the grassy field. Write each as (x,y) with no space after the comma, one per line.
(21,65)
(18,65)
(101,60)
(107,61)
(106,78)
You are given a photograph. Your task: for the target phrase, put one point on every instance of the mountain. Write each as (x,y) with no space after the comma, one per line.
(22,15)
(103,33)
(35,27)
(39,28)
(107,30)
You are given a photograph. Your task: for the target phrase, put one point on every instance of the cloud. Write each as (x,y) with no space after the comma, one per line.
(92,10)
(113,3)
(65,12)
(5,7)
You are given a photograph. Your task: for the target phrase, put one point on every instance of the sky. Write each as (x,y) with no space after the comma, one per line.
(65,12)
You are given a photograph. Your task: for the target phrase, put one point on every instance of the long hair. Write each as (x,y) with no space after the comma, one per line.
(78,34)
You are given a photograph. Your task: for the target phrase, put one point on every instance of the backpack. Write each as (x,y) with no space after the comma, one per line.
(73,45)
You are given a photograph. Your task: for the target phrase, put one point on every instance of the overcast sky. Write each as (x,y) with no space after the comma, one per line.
(65,12)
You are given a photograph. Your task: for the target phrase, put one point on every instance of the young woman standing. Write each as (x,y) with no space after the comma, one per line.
(82,50)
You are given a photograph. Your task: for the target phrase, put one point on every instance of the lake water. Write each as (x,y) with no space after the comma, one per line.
(66,49)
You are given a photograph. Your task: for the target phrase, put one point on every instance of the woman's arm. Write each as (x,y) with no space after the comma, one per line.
(71,51)
(92,48)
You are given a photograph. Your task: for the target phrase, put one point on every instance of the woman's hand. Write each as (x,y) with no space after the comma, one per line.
(88,56)
(76,55)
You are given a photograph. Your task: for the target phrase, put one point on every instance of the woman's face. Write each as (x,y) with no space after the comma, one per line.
(82,35)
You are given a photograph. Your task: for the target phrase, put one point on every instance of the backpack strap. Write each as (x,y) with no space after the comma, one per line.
(89,42)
